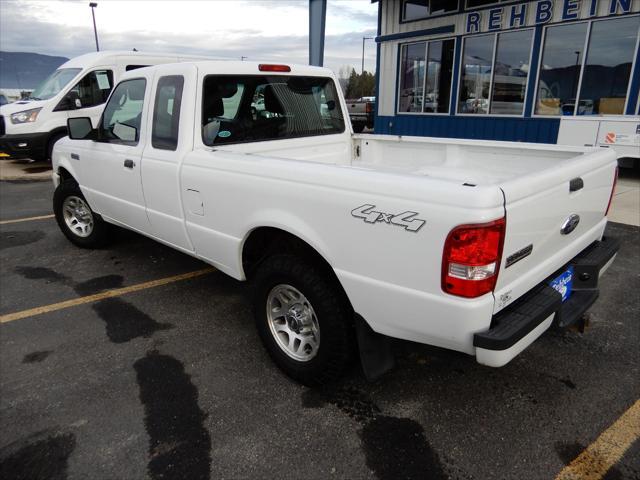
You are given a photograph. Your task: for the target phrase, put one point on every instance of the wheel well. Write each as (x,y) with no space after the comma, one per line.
(266,241)
(65,175)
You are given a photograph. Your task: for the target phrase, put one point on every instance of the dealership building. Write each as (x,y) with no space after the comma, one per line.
(506,70)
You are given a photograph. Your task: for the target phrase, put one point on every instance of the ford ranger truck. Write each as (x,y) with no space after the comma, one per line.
(474,246)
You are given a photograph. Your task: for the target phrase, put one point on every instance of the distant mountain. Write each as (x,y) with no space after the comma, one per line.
(26,70)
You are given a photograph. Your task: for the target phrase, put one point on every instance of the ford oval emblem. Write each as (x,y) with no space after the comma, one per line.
(570,224)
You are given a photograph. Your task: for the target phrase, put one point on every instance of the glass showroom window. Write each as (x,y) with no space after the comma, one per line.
(417,9)
(425,86)
(560,69)
(511,72)
(476,74)
(604,84)
(495,69)
(412,72)
(437,91)
(605,80)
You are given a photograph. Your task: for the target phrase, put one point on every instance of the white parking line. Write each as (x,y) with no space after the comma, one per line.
(28,219)
(10,317)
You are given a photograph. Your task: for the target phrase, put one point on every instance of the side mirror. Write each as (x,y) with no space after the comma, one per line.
(80,128)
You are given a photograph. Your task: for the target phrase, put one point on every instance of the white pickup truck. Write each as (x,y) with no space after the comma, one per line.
(473,246)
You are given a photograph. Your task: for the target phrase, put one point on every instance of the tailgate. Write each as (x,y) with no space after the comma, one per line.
(552,215)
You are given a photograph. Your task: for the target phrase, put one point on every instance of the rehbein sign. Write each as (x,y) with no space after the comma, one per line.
(515,16)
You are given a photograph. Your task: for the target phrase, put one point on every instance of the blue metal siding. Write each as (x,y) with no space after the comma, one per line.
(535,130)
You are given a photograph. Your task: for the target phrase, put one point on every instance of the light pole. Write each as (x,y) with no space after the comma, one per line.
(363,39)
(95,31)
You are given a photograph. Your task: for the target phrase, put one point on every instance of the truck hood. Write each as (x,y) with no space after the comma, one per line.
(20,106)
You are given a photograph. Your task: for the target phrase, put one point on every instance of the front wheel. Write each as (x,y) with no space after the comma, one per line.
(303,319)
(81,225)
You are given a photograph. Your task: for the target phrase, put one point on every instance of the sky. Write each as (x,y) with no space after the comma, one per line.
(275,30)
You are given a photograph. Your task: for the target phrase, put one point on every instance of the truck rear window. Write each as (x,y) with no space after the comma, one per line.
(253,108)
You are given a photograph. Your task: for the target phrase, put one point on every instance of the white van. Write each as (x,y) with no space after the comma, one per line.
(621,133)
(78,88)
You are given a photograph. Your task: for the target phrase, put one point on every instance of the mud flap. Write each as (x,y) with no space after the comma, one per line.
(376,356)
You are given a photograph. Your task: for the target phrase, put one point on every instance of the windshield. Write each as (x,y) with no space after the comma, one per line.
(54,83)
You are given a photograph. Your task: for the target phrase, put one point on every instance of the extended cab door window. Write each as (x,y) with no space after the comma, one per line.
(122,116)
(93,89)
(252,108)
(166,112)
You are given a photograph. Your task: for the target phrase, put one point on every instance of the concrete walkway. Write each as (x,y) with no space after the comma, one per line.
(625,207)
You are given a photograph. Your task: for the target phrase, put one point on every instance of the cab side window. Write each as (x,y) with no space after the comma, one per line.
(166,112)
(93,89)
(122,116)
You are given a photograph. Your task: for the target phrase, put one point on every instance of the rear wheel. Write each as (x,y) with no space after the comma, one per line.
(303,319)
(81,225)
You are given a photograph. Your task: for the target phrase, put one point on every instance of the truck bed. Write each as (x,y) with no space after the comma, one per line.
(474,162)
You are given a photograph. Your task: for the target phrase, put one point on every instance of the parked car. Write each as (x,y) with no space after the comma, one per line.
(362,113)
(474,246)
(30,127)
(3,100)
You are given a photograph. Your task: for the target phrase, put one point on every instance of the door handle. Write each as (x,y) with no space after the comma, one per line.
(576,184)
(129,163)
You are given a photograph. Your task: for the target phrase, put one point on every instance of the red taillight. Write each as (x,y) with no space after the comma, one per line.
(471,258)
(369,107)
(613,191)
(267,67)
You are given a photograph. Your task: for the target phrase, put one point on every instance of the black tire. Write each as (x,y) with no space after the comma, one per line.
(358,127)
(100,233)
(52,141)
(332,309)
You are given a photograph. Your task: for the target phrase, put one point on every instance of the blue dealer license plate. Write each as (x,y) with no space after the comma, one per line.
(563,283)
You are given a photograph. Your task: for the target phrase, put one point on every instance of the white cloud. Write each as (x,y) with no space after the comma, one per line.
(254,28)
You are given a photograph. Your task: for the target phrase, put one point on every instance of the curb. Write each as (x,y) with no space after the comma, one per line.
(24,170)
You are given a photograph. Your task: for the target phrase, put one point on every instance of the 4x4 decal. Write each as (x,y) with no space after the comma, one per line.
(404,219)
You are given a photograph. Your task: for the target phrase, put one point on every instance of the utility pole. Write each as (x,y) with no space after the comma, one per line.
(363,39)
(95,30)
(317,20)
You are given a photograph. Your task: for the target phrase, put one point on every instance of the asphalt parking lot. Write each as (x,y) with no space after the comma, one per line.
(169,379)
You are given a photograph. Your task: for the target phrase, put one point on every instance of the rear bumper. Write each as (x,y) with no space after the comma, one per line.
(517,326)
(28,145)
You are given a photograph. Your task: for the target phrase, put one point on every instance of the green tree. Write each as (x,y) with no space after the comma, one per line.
(352,85)
(360,85)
